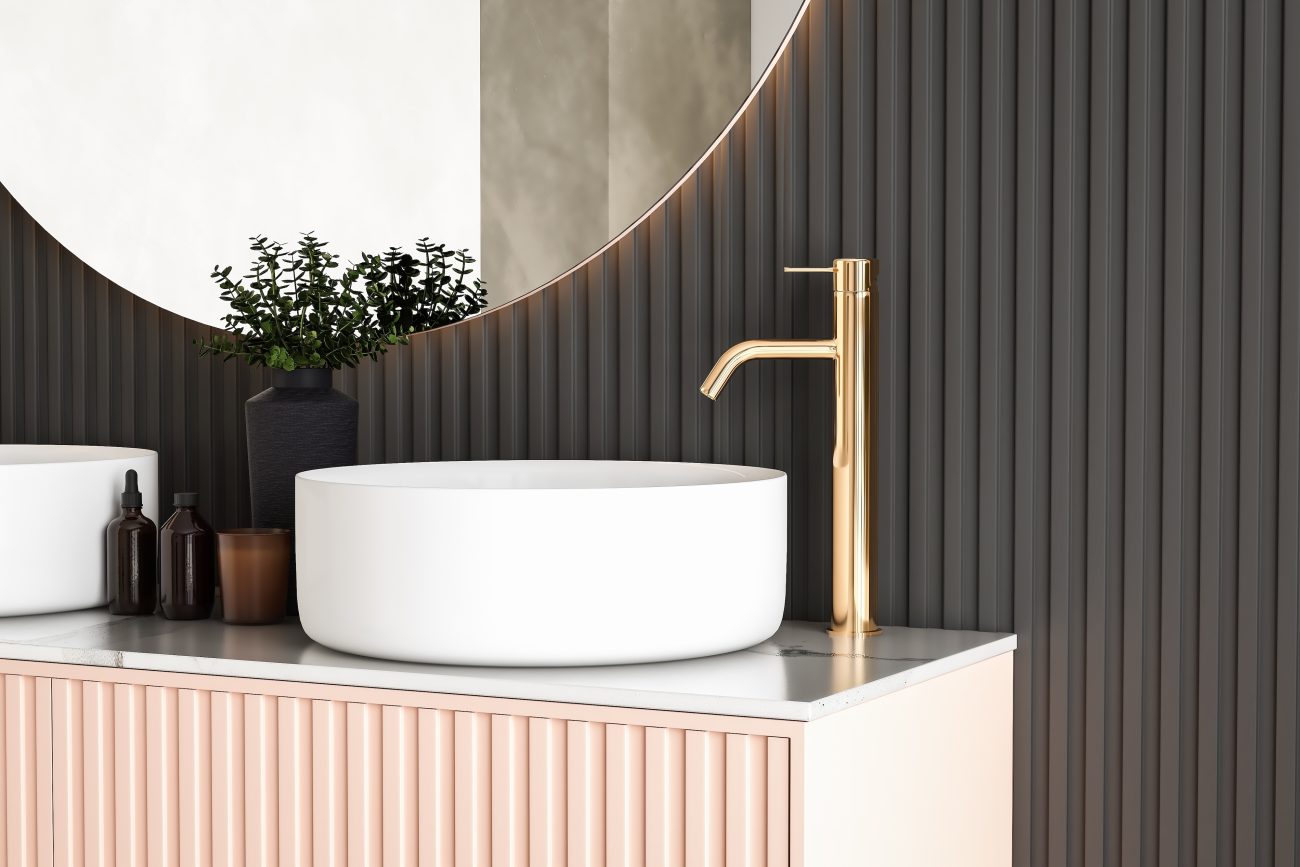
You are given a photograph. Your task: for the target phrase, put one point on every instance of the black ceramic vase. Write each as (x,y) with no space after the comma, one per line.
(300,423)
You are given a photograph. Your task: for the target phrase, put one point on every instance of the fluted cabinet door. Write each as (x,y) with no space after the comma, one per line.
(25,771)
(137,774)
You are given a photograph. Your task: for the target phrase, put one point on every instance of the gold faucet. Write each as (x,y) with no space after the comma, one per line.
(853,597)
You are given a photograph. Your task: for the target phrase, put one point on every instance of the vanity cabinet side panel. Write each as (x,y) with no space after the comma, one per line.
(918,777)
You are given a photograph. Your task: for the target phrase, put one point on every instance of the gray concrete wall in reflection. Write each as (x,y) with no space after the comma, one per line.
(590,111)
(544,121)
(678,70)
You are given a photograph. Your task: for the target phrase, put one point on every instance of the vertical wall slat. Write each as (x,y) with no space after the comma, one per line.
(1180,520)
(512,389)
(1286,846)
(484,384)
(572,368)
(1069,438)
(825,168)
(602,360)
(997,314)
(926,338)
(11,321)
(1101,285)
(893,243)
(633,289)
(961,333)
(1258,418)
(760,275)
(789,194)
(696,279)
(1220,360)
(728,286)
(1143,400)
(34,316)
(1033,314)
(543,374)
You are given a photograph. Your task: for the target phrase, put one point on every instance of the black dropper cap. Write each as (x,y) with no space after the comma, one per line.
(187,499)
(131,497)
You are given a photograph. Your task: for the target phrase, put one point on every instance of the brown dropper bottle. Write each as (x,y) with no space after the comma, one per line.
(132,555)
(185,581)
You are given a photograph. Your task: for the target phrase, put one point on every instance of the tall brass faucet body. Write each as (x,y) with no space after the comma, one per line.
(853,598)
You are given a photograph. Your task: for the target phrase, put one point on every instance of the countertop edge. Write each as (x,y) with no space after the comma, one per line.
(774,709)
(669,702)
(897,682)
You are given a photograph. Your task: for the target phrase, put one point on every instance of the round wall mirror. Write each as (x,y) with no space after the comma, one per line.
(153,137)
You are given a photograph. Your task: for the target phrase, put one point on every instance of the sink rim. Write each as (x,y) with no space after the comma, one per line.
(601,476)
(67,454)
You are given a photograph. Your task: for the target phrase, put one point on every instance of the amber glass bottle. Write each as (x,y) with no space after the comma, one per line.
(132,555)
(185,581)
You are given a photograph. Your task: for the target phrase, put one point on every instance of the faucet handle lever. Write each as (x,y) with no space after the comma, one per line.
(830,270)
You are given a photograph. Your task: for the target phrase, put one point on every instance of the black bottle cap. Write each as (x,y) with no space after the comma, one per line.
(187,499)
(131,497)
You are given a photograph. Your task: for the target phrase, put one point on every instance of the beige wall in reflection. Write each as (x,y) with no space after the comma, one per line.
(577,142)
(678,70)
(544,143)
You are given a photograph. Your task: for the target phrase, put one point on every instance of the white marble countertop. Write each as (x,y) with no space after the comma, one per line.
(795,675)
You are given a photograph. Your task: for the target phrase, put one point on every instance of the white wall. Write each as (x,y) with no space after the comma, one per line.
(152,137)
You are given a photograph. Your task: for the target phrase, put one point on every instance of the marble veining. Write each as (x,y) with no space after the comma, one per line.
(794,675)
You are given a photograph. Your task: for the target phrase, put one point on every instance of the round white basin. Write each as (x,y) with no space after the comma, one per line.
(541,562)
(57,503)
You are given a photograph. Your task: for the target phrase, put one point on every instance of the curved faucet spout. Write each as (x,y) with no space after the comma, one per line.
(749,350)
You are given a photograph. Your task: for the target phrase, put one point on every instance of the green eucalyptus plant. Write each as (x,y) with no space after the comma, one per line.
(300,307)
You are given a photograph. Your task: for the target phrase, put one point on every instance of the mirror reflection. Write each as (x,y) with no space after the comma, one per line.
(152,138)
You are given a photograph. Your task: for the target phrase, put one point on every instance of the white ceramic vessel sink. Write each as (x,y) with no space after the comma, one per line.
(541,562)
(57,502)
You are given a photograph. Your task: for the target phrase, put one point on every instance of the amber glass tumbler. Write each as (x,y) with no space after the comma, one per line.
(254,567)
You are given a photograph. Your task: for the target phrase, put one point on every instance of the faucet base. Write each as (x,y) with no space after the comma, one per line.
(844,633)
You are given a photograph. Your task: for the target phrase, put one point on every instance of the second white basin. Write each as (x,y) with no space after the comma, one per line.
(57,503)
(541,562)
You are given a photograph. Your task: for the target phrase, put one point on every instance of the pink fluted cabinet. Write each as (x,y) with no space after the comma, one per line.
(112,766)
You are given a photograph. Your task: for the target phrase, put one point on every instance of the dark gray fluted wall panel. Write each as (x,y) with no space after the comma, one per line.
(82,361)
(1088,216)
